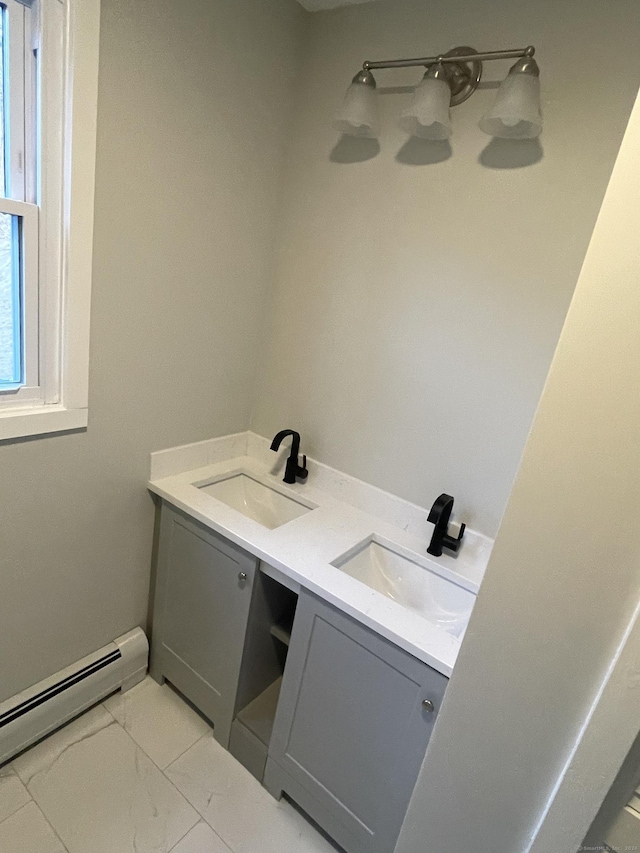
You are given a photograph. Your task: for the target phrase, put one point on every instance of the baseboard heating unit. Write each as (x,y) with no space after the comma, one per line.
(34,713)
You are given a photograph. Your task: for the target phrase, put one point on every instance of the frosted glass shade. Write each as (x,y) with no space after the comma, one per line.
(358,115)
(516,111)
(428,115)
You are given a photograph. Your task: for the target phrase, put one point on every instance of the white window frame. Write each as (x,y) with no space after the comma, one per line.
(20,196)
(58,202)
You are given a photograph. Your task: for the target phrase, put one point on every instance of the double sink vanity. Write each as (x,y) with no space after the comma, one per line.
(307,622)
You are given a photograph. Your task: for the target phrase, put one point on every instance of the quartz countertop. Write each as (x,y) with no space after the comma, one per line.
(302,550)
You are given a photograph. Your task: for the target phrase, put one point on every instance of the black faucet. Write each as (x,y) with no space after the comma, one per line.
(292,470)
(440,515)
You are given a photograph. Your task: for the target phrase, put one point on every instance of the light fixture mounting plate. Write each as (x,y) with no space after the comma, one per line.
(463,77)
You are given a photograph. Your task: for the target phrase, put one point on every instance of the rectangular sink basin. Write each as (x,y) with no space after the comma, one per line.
(410,582)
(257,501)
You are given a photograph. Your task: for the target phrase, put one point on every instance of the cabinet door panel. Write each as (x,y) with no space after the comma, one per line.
(205,604)
(203,595)
(351,728)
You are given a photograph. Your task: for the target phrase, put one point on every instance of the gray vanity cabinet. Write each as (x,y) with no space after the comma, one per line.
(201,610)
(352,727)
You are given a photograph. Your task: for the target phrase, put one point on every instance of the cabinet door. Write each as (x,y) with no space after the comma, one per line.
(351,729)
(203,594)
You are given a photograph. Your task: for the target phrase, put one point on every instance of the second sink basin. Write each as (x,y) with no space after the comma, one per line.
(409,582)
(256,500)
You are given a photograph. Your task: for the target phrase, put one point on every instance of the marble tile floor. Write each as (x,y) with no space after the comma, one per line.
(141,773)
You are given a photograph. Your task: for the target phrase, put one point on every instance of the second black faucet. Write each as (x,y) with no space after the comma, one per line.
(292,471)
(439,515)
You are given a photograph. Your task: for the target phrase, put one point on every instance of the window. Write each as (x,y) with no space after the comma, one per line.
(18,217)
(48,101)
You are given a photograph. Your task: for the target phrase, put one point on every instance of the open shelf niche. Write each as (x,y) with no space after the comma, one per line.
(265,653)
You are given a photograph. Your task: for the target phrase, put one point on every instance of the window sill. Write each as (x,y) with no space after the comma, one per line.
(40,420)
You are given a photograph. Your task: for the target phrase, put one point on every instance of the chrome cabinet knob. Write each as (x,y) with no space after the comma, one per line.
(242,577)
(428,705)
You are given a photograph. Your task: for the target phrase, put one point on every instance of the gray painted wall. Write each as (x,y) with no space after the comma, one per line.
(417,306)
(192,111)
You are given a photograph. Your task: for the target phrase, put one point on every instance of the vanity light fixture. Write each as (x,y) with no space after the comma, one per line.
(516,111)
(449,80)
(358,115)
(428,116)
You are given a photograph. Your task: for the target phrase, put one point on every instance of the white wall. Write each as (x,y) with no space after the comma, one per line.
(543,704)
(194,100)
(417,306)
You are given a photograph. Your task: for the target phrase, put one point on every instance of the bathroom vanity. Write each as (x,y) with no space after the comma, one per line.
(275,630)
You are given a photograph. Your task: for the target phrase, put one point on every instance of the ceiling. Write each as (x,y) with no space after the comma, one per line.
(316,5)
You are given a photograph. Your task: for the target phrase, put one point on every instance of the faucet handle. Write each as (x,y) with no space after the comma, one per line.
(452,543)
(302,469)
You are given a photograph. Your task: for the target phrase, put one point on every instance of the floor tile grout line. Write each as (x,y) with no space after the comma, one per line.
(208,825)
(104,707)
(46,820)
(182,838)
(53,829)
(217,835)
(142,749)
(202,737)
(13,814)
(19,810)
(30,800)
(44,815)
(184,751)
(193,806)
(155,763)
(162,773)
(161,769)
(7,817)
(173,784)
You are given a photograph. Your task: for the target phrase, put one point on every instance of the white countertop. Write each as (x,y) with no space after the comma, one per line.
(303,549)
